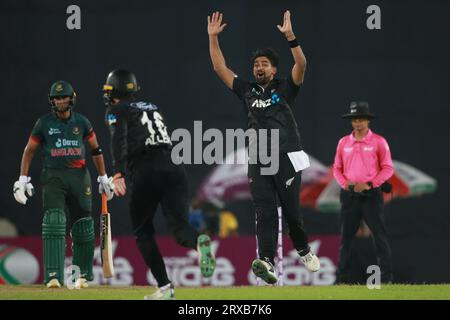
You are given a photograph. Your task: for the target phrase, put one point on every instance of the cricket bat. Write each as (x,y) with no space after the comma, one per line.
(105,240)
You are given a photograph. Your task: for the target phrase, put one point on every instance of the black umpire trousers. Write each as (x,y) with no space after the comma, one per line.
(265,189)
(155,180)
(368,206)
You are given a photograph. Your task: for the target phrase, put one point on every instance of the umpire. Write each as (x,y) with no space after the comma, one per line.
(361,166)
(140,143)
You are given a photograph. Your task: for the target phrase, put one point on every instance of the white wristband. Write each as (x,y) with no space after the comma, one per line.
(24,179)
(103,178)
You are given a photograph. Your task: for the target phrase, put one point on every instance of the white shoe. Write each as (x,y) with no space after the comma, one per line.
(311,262)
(54,283)
(164,293)
(81,283)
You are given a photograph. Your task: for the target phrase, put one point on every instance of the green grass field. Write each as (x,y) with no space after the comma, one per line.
(387,292)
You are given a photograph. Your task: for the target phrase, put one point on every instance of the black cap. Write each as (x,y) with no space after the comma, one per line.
(359,109)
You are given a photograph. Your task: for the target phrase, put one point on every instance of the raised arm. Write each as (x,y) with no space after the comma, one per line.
(215,27)
(298,70)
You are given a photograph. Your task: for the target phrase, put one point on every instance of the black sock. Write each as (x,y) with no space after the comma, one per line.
(267,259)
(304,252)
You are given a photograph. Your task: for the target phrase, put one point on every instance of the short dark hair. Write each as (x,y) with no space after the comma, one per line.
(269,53)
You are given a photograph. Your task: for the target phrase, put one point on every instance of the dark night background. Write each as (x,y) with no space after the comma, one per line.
(402,70)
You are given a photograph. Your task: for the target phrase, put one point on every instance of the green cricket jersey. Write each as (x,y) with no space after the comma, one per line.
(62,141)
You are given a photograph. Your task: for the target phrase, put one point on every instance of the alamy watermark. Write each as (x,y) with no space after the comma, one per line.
(73,279)
(263,147)
(374,280)
(373,22)
(73,21)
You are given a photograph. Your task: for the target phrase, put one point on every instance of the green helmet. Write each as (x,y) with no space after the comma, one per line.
(119,84)
(61,89)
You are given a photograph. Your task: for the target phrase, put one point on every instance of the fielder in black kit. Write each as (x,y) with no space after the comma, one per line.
(141,145)
(268,103)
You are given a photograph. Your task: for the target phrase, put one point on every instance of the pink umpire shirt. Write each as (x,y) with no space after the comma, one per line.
(368,160)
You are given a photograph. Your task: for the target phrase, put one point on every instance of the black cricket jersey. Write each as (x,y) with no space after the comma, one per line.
(136,127)
(270,108)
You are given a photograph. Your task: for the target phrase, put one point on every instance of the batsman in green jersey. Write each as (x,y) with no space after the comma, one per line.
(66,184)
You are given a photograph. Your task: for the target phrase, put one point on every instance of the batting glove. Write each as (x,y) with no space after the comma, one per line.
(106,185)
(20,187)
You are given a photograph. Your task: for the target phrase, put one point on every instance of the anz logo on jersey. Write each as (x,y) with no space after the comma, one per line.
(262,104)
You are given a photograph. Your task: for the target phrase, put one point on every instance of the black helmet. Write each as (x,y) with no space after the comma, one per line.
(61,88)
(119,84)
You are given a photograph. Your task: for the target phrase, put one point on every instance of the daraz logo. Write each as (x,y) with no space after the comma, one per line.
(66,143)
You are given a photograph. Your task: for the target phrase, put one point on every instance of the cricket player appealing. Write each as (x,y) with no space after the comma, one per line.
(66,184)
(268,103)
(141,145)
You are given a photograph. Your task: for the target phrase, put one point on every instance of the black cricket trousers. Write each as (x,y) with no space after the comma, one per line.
(156,180)
(368,206)
(265,189)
